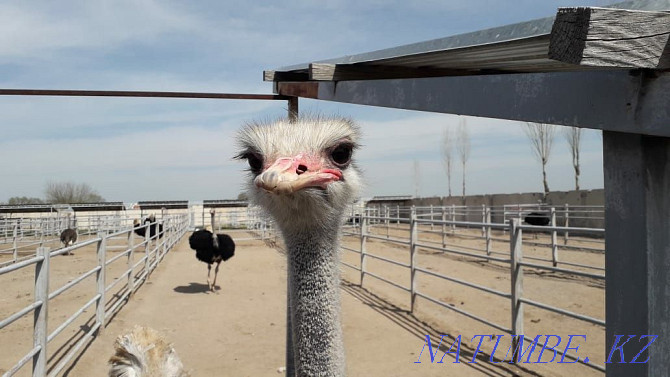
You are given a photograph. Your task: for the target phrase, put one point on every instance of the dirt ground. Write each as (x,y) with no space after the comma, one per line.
(240,331)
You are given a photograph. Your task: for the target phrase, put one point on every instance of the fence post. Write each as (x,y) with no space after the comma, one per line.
(42,231)
(516,256)
(387,214)
(40,315)
(131,262)
(397,212)
(15,244)
(484,220)
(431,217)
(100,279)
(165,238)
(147,252)
(364,236)
(444,227)
(487,220)
(413,235)
(453,218)
(554,243)
(567,223)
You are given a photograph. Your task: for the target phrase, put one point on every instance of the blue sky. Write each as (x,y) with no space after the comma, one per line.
(171,149)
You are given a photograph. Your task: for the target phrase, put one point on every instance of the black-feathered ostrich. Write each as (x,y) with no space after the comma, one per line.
(141,230)
(537,218)
(69,236)
(212,248)
(302,174)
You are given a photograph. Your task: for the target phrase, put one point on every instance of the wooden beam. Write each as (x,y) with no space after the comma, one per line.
(347,72)
(300,75)
(298,89)
(613,38)
(614,100)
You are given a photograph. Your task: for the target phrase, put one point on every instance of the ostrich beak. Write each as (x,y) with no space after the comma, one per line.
(291,174)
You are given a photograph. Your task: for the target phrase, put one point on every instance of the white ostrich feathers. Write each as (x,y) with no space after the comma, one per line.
(144,352)
(310,136)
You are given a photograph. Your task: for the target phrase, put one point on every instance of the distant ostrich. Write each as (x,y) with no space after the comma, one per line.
(212,248)
(141,230)
(144,352)
(302,174)
(537,218)
(69,236)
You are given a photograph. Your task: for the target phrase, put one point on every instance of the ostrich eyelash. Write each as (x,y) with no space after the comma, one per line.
(254,159)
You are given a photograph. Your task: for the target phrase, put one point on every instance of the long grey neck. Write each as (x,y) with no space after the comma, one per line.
(314,303)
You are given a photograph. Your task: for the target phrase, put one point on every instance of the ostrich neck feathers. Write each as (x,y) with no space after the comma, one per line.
(314,301)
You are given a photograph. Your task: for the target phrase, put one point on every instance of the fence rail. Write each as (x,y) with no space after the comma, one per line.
(374,224)
(153,249)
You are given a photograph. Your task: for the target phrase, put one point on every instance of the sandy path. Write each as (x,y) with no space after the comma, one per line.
(239,330)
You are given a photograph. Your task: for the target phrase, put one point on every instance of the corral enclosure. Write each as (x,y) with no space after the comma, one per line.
(462,285)
(521,72)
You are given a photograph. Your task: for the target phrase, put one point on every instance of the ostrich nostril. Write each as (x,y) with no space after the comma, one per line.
(301,169)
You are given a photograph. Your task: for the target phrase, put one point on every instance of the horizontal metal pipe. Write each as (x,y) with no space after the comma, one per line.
(72,318)
(465,313)
(19,265)
(581,361)
(391,239)
(350,266)
(73,282)
(73,351)
(557,269)
(146,94)
(111,260)
(74,247)
(464,223)
(485,257)
(117,304)
(387,260)
(387,281)
(597,231)
(351,249)
(29,356)
(9,320)
(462,282)
(568,313)
(116,281)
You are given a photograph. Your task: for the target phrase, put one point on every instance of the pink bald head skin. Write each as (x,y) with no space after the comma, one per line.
(287,175)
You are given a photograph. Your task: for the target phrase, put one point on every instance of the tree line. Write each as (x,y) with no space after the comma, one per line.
(61,193)
(540,135)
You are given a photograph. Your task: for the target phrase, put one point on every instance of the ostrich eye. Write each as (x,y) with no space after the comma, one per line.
(255,161)
(341,155)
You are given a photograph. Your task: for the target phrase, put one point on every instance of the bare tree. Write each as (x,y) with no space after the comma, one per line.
(463,147)
(417,178)
(574,137)
(541,136)
(448,153)
(70,192)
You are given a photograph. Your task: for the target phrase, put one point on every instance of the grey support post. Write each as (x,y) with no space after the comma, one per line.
(637,204)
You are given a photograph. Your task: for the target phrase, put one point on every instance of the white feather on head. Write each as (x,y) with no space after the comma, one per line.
(313,136)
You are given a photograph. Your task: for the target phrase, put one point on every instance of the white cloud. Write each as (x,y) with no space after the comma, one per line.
(30,31)
(134,149)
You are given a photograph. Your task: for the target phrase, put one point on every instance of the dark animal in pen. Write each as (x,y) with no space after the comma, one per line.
(537,218)
(141,230)
(68,237)
(211,249)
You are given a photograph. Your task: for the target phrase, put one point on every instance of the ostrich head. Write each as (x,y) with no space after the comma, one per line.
(302,172)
